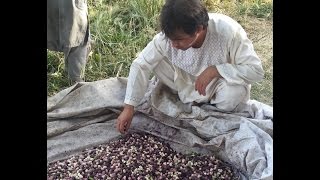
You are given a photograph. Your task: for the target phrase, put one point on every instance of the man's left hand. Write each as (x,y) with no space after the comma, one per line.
(205,78)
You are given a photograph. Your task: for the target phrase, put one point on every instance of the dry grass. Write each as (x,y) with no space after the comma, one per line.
(261,33)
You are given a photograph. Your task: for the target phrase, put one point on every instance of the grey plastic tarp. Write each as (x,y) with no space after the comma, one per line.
(84,115)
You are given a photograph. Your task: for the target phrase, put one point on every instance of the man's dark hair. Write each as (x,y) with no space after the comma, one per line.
(182,14)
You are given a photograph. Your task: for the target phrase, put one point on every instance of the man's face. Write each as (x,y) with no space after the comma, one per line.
(183,41)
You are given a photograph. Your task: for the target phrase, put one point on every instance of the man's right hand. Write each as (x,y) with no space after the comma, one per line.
(125,118)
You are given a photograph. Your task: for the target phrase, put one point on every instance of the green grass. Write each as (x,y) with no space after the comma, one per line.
(121,29)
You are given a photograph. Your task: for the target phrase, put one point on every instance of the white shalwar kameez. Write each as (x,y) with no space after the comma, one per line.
(226,46)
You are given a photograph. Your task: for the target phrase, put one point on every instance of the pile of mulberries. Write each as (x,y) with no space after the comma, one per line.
(139,156)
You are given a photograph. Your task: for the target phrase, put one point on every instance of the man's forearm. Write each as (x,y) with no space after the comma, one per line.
(128,107)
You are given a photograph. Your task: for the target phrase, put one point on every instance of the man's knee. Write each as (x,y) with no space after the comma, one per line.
(229,97)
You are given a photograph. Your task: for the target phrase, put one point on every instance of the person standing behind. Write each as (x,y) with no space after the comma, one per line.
(68,32)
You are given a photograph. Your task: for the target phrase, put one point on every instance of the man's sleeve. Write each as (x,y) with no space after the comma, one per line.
(141,69)
(245,66)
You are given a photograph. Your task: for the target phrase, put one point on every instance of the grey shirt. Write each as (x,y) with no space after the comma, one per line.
(67,23)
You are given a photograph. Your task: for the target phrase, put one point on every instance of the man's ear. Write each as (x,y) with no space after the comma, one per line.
(199,28)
